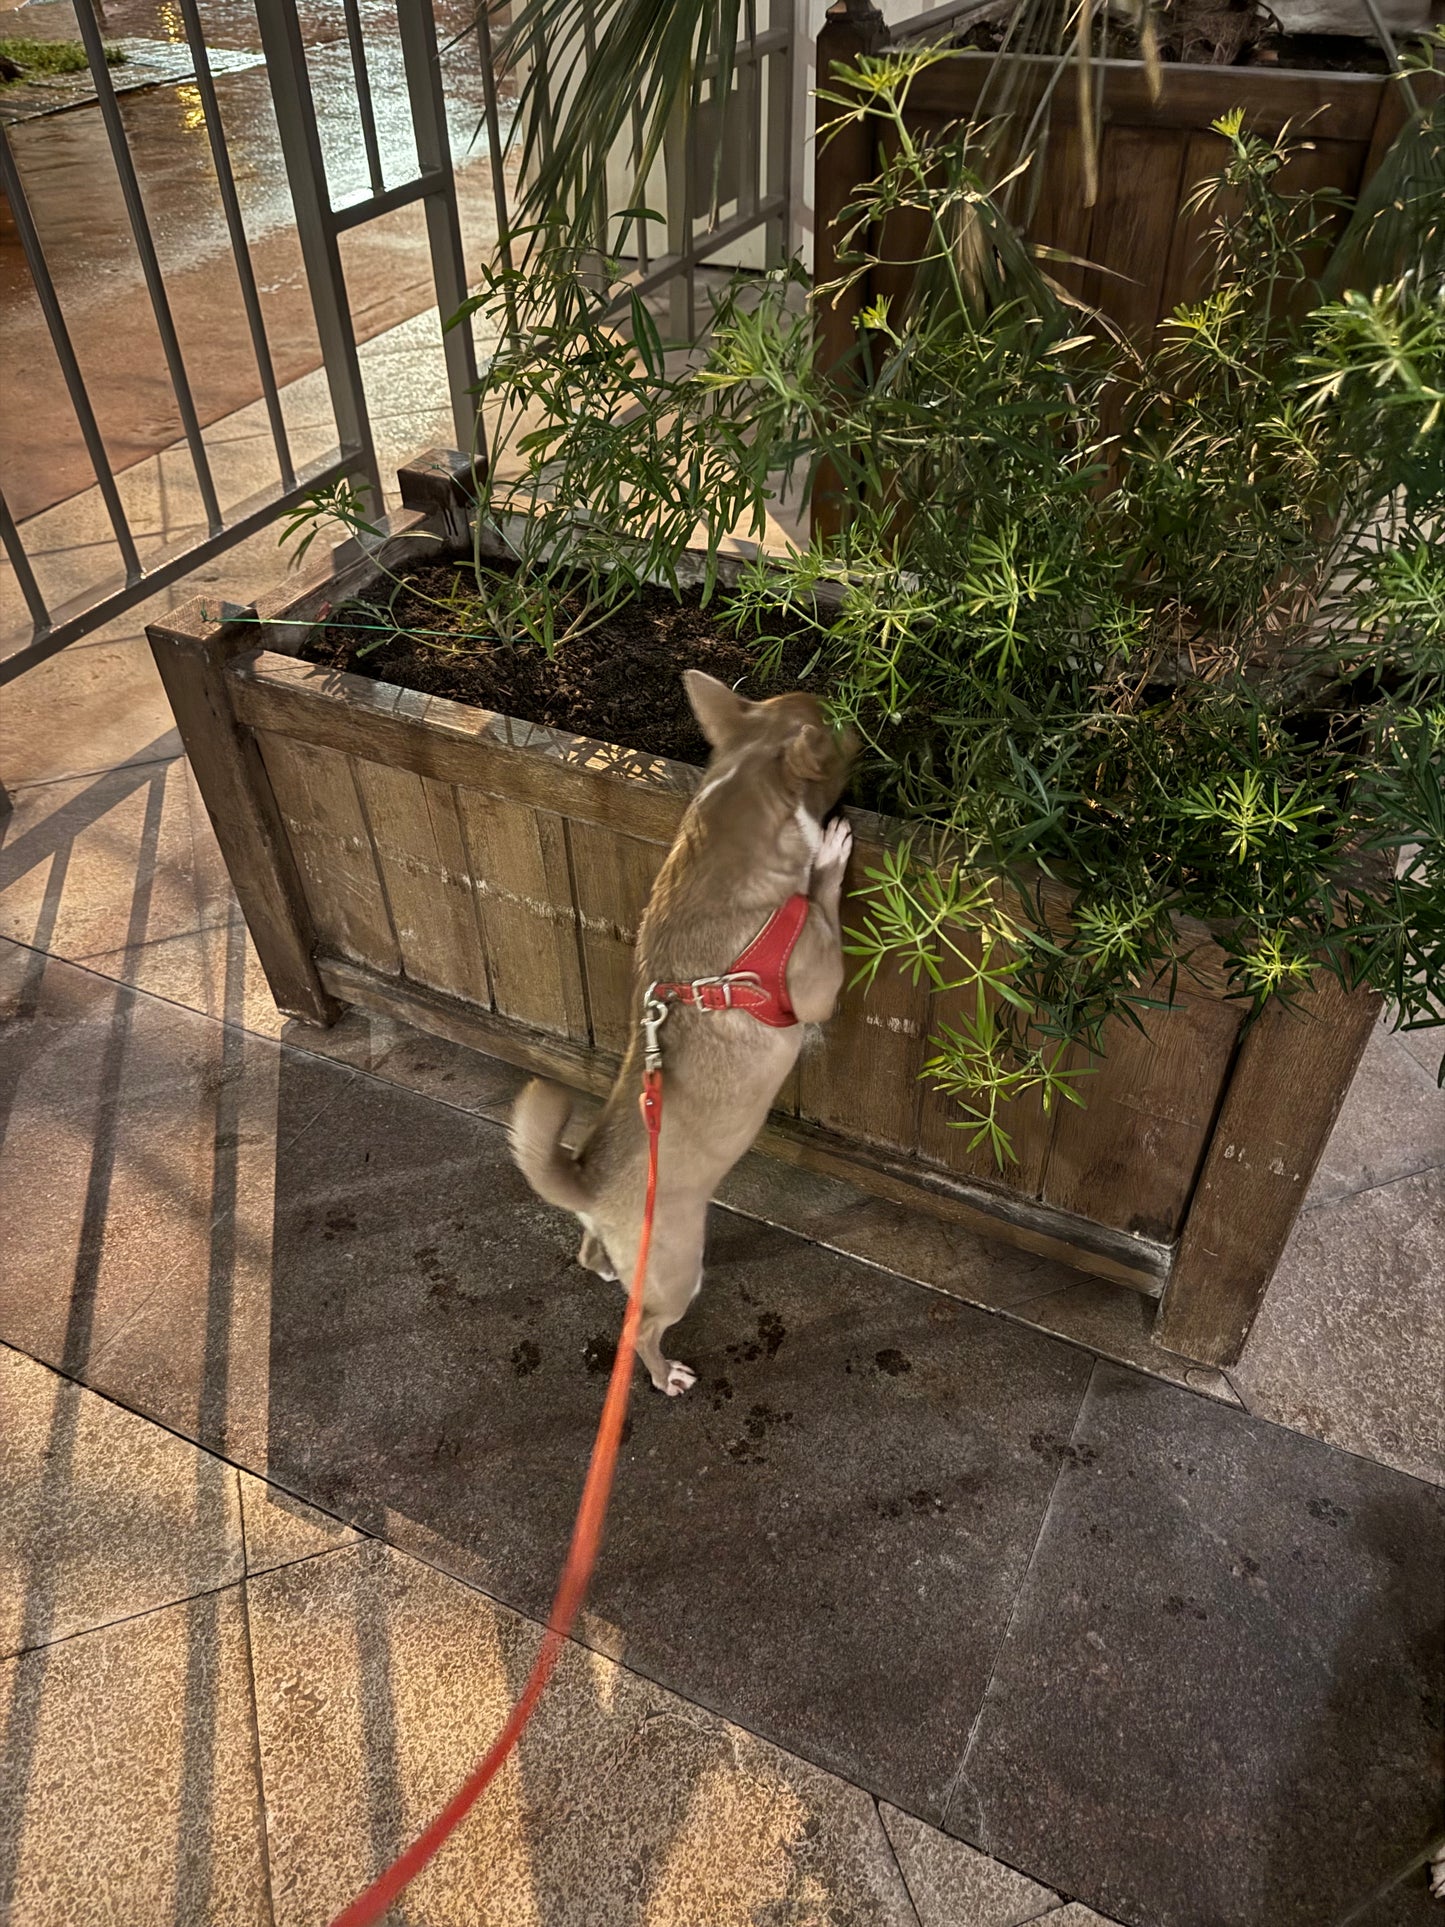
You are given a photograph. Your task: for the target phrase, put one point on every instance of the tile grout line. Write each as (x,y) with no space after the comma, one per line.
(893,1856)
(256,1754)
(961,1773)
(1379,1184)
(126,1619)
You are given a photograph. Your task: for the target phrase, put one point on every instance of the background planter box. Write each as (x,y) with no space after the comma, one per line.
(483,878)
(1152,154)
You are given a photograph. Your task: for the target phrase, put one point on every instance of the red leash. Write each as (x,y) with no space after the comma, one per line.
(576,1574)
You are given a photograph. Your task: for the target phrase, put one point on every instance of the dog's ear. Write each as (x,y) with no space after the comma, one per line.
(720,711)
(812,755)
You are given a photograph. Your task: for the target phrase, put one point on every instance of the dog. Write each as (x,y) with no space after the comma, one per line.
(752,883)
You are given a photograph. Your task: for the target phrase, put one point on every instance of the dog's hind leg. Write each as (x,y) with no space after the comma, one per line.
(592,1255)
(674,1277)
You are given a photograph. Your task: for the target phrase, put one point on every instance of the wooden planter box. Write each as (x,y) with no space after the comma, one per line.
(483,878)
(1146,250)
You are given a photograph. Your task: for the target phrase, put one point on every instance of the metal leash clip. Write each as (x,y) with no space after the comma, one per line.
(654,1016)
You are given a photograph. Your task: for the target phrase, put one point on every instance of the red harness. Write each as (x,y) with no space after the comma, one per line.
(756,981)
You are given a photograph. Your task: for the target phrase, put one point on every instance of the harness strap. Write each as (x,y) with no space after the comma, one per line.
(757,980)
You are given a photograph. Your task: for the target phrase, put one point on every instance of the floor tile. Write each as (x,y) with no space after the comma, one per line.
(1219,1701)
(1350,1342)
(1427,1047)
(823,1542)
(280,1529)
(110,862)
(139,1152)
(128,1786)
(379,1680)
(953,1885)
(1392,1123)
(83,711)
(102,1514)
(214,970)
(1118,1323)
(912,1242)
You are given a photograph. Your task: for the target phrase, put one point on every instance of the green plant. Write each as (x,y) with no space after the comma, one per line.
(609,452)
(48,57)
(1134,640)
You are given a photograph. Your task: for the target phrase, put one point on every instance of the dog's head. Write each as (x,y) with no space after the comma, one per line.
(785,738)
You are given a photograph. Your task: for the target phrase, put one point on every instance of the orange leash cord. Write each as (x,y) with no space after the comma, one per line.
(576,1574)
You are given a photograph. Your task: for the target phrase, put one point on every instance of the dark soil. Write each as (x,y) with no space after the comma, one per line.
(621,683)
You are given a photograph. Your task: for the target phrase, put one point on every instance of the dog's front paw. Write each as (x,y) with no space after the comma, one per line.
(836,846)
(680,1378)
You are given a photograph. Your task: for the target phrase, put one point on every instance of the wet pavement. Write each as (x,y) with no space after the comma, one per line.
(65,163)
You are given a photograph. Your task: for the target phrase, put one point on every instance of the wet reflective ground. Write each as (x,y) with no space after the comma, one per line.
(75,198)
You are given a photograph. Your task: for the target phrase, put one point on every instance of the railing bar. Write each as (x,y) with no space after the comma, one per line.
(150,263)
(748,133)
(494,134)
(639,191)
(781,162)
(236,229)
(24,574)
(248,521)
(668,265)
(356,213)
(65,353)
(316,230)
(361,75)
(417,25)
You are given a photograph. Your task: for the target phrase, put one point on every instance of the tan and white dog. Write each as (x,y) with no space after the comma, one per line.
(754,838)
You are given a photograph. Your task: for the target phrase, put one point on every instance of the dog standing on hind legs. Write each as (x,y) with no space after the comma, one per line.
(741,945)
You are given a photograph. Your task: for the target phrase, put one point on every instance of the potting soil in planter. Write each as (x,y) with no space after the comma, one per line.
(620,683)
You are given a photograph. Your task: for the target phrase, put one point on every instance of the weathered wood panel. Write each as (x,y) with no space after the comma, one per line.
(865,1081)
(612,877)
(244,815)
(1290,1078)
(417,837)
(1133,220)
(316,793)
(1129,1158)
(517,859)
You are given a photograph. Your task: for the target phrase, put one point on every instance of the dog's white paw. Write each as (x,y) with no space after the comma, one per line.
(680,1379)
(837,843)
(1437,1873)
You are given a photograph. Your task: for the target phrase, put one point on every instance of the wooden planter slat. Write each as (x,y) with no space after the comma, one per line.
(1132,224)
(243,812)
(1130,1158)
(1288,1083)
(456,743)
(315,790)
(484,878)
(522,877)
(942,1142)
(421,853)
(613,877)
(1191,98)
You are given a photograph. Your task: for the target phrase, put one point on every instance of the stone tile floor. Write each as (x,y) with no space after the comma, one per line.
(947,1600)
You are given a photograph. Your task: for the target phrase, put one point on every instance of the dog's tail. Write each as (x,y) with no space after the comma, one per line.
(539,1118)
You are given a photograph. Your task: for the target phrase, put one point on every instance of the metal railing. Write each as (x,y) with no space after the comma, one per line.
(753,125)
